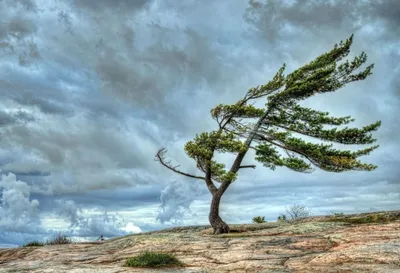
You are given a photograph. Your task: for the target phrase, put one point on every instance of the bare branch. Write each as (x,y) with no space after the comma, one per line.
(160,156)
(298,212)
(247,166)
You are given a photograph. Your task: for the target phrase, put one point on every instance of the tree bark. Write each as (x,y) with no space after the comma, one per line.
(216,222)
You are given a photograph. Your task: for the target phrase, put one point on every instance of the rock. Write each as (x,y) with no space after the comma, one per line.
(328,244)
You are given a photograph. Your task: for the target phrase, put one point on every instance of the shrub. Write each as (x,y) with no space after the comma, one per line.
(59,240)
(34,243)
(365,219)
(259,220)
(152,259)
(338,214)
(298,212)
(281,218)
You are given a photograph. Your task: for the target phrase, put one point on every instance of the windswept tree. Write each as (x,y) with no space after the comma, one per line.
(274,132)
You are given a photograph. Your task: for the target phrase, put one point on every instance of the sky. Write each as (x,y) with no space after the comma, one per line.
(90,90)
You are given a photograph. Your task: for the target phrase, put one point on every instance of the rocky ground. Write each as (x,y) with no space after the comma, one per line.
(356,243)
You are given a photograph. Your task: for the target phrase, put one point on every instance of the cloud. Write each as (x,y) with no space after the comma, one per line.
(97,157)
(278,19)
(131,228)
(19,116)
(17,212)
(94,225)
(176,199)
(101,5)
(17,31)
(138,70)
(21,217)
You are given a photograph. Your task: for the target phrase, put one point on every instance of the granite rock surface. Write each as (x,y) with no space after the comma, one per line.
(355,243)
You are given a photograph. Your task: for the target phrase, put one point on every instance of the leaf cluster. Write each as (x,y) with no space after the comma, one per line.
(202,148)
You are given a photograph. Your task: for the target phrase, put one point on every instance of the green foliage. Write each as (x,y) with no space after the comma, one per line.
(320,155)
(338,214)
(322,75)
(270,157)
(259,220)
(203,146)
(281,218)
(365,219)
(310,122)
(34,243)
(151,259)
(237,110)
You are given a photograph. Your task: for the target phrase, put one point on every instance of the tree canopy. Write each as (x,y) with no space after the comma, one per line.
(273,132)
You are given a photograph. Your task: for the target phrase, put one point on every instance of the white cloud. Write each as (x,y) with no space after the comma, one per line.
(17,211)
(131,228)
(86,223)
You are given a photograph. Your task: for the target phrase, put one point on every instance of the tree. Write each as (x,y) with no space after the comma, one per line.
(281,218)
(259,220)
(298,212)
(274,132)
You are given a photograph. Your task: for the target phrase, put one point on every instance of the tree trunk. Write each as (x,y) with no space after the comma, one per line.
(216,222)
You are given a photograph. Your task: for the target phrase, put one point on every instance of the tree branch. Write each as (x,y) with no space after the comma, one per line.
(247,166)
(284,147)
(160,157)
(210,185)
(239,158)
(295,130)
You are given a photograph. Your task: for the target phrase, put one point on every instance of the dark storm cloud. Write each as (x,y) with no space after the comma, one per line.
(28,5)
(20,27)
(148,74)
(388,12)
(102,5)
(47,106)
(101,199)
(269,17)
(289,28)
(17,28)
(152,76)
(7,119)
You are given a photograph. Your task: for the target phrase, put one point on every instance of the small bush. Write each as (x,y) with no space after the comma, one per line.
(34,243)
(152,259)
(298,212)
(59,240)
(338,214)
(281,218)
(365,219)
(259,220)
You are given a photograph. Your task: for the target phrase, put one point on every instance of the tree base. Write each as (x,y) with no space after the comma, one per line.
(221,228)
